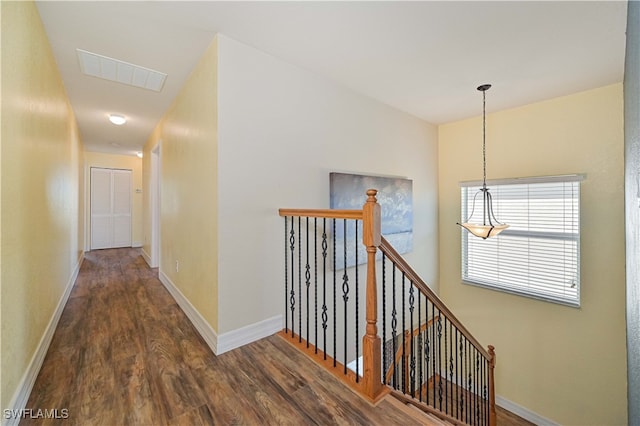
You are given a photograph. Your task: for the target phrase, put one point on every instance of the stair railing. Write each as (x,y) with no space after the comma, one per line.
(429,355)
(330,243)
(424,355)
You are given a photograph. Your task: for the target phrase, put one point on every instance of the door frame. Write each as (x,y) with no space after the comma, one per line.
(87,203)
(154,201)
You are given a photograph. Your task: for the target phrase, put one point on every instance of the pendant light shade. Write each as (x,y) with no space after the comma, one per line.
(483,224)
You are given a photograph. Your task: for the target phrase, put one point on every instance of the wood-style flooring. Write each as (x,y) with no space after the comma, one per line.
(124,353)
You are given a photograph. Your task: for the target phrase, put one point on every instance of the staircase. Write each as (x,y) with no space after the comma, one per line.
(421,417)
(355,306)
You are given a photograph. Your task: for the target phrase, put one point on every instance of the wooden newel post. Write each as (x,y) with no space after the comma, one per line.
(371,344)
(492,389)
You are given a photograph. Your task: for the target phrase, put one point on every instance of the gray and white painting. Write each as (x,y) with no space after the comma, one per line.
(348,191)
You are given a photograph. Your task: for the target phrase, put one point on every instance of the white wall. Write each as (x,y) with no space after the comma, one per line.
(282,130)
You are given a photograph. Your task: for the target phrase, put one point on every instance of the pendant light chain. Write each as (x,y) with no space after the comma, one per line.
(484,139)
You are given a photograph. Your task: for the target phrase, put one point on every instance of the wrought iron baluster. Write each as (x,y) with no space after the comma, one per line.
(286,274)
(439,327)
(480,398)
(307,277)
(451,402)
(461,380)
(357,306)
(469,383)
(433,351)
(412,361)
(420,343)
(335,345)
(292,295)
(404,336)
(446,384)
(483,372)
(325,317)
(299,281)
(394,324)
(427,352)
(477,394)
(315,281)
(385,361)
(345,291)
(452,368)
(457,377)
(486,392)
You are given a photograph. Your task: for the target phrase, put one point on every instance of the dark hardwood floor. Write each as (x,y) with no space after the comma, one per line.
(125,354)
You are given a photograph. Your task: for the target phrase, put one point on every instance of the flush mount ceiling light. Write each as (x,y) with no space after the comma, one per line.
(122,72)
(117,119)
(484,225)
(139,154)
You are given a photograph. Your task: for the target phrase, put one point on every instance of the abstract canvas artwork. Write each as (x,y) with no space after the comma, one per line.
(348,191)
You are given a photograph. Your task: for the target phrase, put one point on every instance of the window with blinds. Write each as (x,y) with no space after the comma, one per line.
(539,254)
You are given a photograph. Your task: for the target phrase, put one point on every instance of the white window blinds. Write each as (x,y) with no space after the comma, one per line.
(539,254)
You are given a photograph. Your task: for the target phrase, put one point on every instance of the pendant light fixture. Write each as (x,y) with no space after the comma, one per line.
(487,225)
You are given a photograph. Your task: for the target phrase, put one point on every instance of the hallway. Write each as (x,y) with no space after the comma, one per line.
(125,354)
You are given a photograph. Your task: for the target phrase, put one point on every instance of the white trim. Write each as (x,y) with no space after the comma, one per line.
(87,206)
(523,412)
(202,326)
(23,391)
(146,257)
(227,341)
(155,184)
(250,333)
(136,244)
(526,180)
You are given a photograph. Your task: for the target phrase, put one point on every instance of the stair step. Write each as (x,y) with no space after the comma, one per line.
(431,417)
(417,414)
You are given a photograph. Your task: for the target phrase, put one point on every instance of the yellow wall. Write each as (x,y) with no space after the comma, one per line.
(188,221)
(41,180)
(566,364)
(113,161)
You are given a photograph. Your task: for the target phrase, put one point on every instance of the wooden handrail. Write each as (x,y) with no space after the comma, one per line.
(395,257)
(325,213)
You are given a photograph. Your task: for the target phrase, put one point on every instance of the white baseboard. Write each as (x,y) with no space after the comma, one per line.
(136,244)
(220,344)
(523,412)
(250,333)
(21,396)
(202,326)
(146,257)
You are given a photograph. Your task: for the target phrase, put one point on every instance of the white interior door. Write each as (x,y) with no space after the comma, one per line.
(110,208)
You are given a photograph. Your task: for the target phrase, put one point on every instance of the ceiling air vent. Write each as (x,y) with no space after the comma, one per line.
(122,72)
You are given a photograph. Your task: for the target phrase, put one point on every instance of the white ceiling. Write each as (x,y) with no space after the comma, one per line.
(425,58)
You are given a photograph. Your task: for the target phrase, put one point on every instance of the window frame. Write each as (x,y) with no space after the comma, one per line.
(519,289)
